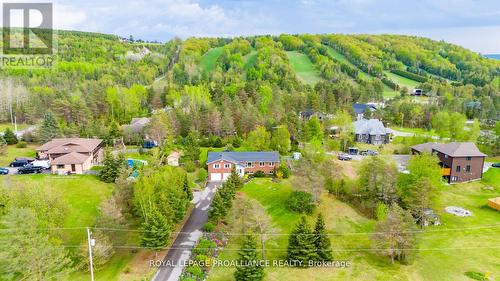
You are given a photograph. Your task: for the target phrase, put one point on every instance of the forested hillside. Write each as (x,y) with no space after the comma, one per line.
(219,86)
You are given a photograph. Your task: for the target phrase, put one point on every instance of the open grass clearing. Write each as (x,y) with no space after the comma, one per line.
(13,152)
(304,68)
(402,81)
(209,59)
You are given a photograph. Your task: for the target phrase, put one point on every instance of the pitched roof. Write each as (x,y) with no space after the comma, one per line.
(70,158)
(236,157)
(361,108)
(370,127)
(87,145)
(453,149)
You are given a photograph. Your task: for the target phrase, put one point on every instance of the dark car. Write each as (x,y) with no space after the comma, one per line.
(344,157)
(495,165)
(4,171)
(369,152)
(30,169)
(19,163)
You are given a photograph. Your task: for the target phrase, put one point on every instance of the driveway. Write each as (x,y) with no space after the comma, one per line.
(172,265)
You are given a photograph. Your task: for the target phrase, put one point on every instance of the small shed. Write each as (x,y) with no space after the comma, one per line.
(296,155)
(494,203)
(173,158)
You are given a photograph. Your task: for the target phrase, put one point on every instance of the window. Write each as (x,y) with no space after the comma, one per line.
(271,172)
(454,178)
(261,164)
(468,158)
(227,166)
(271,164)
(467,168)
(445,156)
(216,166)
(458,169)
(249,164)
(60,166)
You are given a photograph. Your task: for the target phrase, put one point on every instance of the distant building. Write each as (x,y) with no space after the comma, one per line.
(221,164)
(460,161)
(417,92)
(137,125)
(308,114)
(71,155)
(371,131)
(361,108)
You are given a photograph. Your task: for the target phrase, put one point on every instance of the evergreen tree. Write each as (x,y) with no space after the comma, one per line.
(9,136)
(301,246)
(235,180)
(111,167)
(187,190)
(227,192)
(248,268)
(321,240)
(50,128)
(217,208)
(156,231)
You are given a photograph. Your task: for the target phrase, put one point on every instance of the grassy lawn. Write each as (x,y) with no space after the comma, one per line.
(436,259)
(13,152)
(402,81)
(4,126)
(304,68)
(209,59)
(492,177)
(416,131)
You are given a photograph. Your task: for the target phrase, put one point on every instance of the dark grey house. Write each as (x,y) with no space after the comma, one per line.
(371,131)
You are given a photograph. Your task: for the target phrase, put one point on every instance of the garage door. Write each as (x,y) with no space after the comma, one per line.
(225,176)
(215,177)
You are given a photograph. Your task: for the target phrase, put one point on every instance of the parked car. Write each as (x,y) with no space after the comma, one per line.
(369,152)
(495,165)
(29,169)
(19,163)
(29,159)
(148,144)
(44,164)
(344,157)
(4,171)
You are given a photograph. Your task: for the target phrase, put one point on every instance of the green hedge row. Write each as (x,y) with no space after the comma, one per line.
(410,75)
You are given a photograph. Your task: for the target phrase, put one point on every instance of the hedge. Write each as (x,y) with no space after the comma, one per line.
(410,75)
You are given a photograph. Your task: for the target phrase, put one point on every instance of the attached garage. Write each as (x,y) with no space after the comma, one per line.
(225,176)
(215,176)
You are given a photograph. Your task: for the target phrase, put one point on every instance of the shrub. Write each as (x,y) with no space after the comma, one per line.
(300,202)
(475,275)
(208,227)
(202,175)
(409,75)
(188,279)
(283,168)
(204,247)
(189,166)
(21,144)
(195,271)
(259,174)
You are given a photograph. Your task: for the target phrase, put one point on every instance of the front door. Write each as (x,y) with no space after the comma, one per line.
(73,168)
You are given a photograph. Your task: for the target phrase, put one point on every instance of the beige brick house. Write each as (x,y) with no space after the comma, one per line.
(71,155)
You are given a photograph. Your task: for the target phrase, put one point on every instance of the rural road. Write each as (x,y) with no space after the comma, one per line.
(172,264)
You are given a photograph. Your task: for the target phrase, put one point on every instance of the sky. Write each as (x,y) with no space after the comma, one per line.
(474,24)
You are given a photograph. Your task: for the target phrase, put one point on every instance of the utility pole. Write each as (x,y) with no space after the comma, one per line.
(91,242)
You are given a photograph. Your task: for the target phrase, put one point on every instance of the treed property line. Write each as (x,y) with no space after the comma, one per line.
(270,234)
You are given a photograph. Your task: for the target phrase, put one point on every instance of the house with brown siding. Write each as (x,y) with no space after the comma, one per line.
(71,155)
(460,161)
(221,164)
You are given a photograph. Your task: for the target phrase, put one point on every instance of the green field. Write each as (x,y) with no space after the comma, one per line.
(209,59)
(402,81)
(304,68)
(446,251)
(13,152)
(388,92)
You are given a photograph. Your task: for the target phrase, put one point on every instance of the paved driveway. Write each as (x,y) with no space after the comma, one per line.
(172,264)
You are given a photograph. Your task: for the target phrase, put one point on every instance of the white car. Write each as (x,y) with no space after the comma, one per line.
(45,164)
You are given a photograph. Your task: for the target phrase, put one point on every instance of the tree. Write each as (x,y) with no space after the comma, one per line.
(441,124)
(3,146)
(218,209)
(394,236)
(321,240)
(30,254)
(280,140)
(102,251)
(301,248)
(159,129)
(377,181)
(112,166)
(50,128)
(249,267)
(156,230)
(313,130)
(259,138)
(187,190)
(9,136)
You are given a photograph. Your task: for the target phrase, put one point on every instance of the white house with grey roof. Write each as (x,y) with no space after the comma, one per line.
(371,131)
(221,164)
